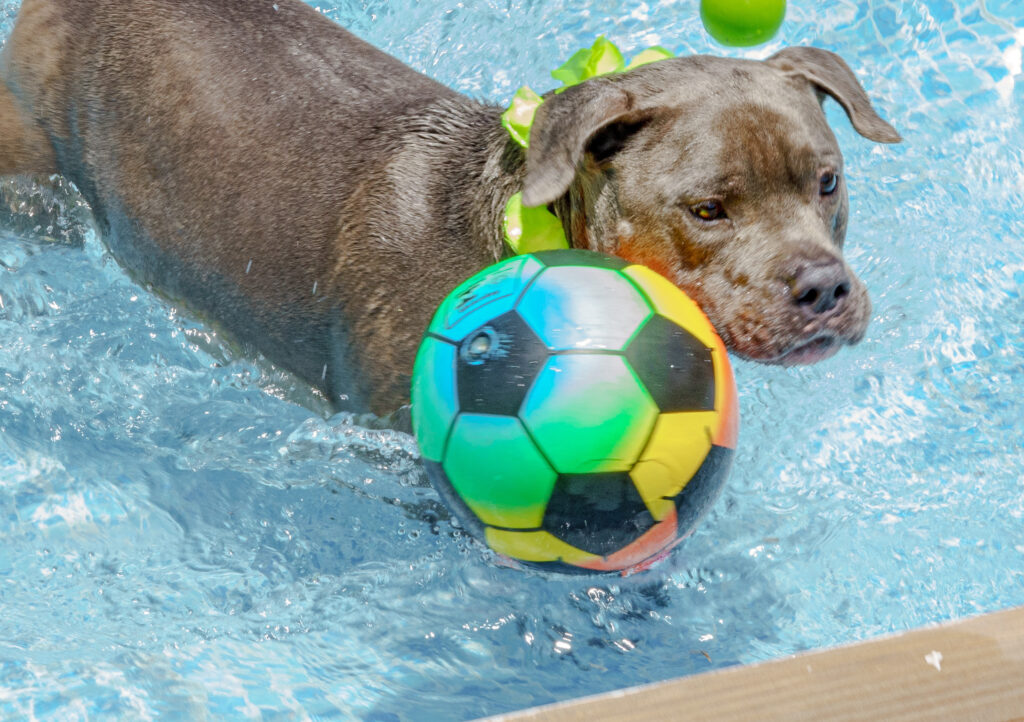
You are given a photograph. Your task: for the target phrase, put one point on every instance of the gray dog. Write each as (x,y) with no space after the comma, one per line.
(318,198)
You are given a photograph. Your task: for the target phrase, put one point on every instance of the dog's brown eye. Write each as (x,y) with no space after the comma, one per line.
(829,183)
(709,211)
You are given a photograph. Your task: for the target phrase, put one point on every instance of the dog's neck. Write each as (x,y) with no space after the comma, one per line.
(489,167)
(477,160)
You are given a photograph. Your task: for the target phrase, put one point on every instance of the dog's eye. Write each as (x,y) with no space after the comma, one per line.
(709,210)
(829,182)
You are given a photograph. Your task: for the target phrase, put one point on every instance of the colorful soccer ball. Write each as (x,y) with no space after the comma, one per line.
(574,411)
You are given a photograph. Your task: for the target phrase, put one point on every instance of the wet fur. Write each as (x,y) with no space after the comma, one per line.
(317,198)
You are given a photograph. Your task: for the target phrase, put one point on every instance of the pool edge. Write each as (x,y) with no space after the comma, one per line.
(968,669)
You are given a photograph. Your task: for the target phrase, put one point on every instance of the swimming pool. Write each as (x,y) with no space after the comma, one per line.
(179,537)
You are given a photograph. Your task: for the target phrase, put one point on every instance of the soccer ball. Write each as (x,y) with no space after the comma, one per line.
(574,411)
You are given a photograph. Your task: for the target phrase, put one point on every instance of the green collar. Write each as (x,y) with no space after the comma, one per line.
(537,229)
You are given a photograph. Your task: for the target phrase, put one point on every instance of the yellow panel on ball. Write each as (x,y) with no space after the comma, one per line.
(674,453)
(536,546)
(672,303)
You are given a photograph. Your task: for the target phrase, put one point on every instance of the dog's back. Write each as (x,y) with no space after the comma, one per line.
(225,148)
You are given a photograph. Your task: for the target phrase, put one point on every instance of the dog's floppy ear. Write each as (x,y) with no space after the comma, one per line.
(830,74)
(596,115)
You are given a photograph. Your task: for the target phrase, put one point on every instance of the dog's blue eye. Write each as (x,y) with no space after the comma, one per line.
(829,183)
(709,210)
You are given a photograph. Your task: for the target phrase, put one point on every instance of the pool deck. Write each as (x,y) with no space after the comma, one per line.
(972,669)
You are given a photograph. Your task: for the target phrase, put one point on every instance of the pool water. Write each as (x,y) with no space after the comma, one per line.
(183,533)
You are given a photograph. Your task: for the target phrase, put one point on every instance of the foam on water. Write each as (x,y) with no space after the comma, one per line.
(178,535)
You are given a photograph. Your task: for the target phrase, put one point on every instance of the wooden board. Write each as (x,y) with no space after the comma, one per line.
(968,670)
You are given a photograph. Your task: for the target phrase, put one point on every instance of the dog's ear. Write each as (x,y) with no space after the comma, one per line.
(831,75)
(596,117)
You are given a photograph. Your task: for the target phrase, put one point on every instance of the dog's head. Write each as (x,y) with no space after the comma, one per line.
(724,176)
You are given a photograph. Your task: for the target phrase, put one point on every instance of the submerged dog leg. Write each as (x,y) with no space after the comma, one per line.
(24,147)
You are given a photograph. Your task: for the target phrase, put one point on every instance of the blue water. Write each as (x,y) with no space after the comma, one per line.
(181,536)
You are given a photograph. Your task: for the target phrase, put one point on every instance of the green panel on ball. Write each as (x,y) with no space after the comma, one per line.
(583,307)
(434,398)
(498,472)
(589,413)
(488,294)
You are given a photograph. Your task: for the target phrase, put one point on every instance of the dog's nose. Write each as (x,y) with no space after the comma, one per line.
(819,288)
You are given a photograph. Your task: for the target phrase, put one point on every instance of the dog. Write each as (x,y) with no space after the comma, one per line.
(317,198)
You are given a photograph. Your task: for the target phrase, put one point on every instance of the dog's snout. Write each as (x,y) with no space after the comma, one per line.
(820,288)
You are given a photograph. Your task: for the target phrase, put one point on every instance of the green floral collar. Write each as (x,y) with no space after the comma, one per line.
(537,229)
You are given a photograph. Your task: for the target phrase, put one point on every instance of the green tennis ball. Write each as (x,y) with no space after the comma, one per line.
(742,22)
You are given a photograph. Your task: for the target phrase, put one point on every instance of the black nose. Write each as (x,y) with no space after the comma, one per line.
(821,287)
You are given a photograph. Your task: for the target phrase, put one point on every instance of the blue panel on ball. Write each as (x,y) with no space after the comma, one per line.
(583,307)
(434,399)
(488,294)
